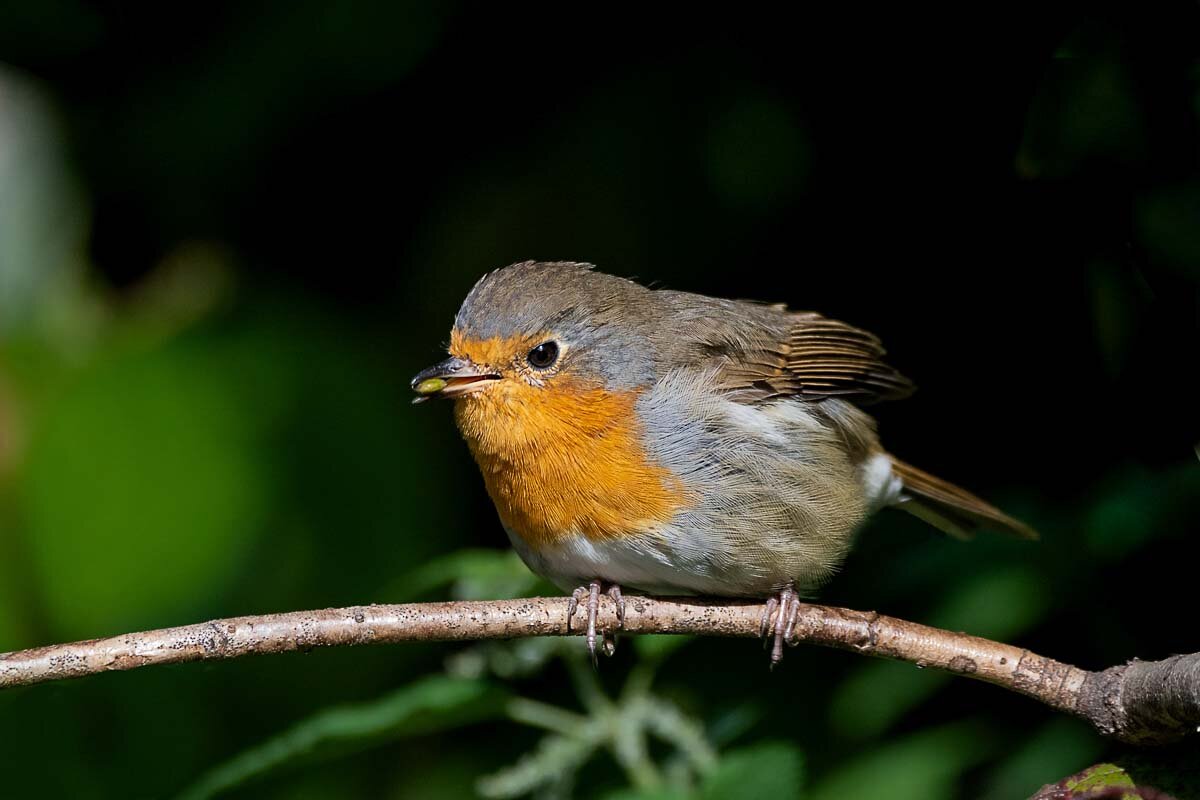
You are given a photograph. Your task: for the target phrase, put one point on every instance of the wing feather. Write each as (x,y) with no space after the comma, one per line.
(816,358)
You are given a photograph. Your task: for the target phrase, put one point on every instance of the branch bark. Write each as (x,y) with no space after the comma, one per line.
(1139,702)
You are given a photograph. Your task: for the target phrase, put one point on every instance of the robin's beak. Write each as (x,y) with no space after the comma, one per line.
(453,377)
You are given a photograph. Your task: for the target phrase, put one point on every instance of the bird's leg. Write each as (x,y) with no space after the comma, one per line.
(592,593)
(779,621)
(614,592)
(573,606)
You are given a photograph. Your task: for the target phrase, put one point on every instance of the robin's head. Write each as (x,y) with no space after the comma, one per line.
(546,364)
(539,327)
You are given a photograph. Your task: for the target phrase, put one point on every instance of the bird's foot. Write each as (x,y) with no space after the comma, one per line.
(591,594)
(779,621)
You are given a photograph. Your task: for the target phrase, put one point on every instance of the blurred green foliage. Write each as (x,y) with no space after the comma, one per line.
(161,433)
(423,707)
(222,255)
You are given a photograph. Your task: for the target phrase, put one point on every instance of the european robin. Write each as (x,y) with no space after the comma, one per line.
(675,443)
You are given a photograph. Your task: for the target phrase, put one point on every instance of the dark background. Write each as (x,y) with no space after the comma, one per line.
(233,233)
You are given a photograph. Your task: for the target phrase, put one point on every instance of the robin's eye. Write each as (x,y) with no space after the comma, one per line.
(543,356)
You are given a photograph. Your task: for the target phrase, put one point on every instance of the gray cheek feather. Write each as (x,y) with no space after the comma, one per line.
(617,359)
(779,499)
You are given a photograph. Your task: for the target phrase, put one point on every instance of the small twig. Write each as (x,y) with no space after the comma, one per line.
(1138,702)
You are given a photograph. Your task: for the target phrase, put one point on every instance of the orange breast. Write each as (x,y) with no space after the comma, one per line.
(565,459)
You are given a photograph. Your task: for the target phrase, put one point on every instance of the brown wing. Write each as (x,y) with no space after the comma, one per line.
(818,358)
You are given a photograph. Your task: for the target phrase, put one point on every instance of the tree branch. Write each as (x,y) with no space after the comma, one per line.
(1138,702)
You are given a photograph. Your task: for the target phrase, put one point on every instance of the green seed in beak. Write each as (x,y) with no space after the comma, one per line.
(431,386)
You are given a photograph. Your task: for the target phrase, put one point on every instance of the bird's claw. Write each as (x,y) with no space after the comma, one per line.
(573,604)
(608,641)
(614,592)
(778,622)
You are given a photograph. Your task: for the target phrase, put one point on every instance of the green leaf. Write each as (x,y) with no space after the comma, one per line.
(429,705)
(771,769)
(1098,777)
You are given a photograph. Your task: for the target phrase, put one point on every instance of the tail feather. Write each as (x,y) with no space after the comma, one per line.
(949,508)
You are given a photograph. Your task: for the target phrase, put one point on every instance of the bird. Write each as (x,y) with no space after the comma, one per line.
(678,444)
